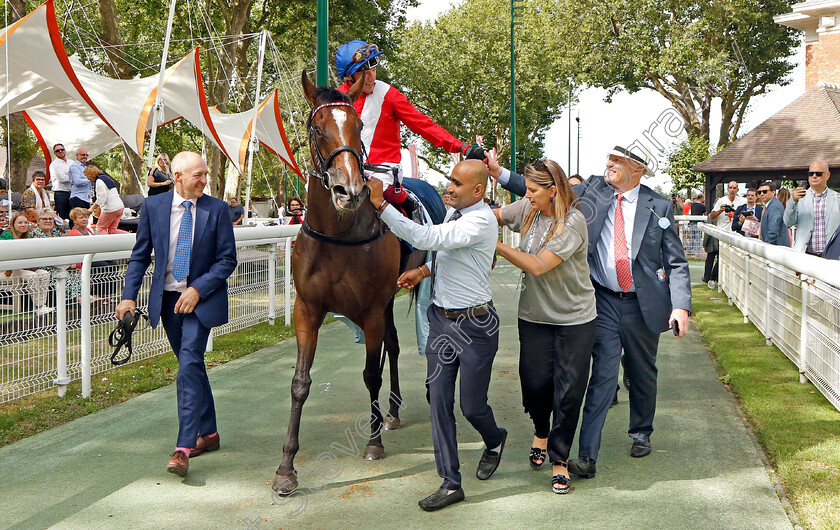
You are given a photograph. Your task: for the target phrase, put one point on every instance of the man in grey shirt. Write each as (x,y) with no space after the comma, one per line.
(463,325)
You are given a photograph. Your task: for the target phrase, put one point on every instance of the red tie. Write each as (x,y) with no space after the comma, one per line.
(622,264)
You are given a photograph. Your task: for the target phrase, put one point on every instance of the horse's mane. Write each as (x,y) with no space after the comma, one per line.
(329,95)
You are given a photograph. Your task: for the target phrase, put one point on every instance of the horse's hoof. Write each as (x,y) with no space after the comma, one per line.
(392,424)
(374,452)
(284,484)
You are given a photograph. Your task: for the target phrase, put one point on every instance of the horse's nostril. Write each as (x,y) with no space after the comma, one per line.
(340,190)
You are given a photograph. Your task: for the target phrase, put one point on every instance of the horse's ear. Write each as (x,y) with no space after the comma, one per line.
(356,90)
(308,87)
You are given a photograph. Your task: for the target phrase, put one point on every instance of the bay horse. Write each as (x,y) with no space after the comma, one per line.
(345,261)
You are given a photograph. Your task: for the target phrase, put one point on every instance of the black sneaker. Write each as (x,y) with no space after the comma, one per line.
(582,467)
(490,460)
(441,499)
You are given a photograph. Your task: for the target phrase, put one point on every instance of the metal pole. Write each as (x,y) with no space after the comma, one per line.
(569,163)
(287,280)
(512,96)
(577,156)
(272,280)
(322,53)
(86,334)
(61,380)
(254,145)
(157,108)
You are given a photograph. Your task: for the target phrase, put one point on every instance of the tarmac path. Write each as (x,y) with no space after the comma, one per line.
(106,470)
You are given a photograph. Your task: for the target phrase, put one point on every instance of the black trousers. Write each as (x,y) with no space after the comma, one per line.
(711,272)
(469,344)
(62,203)
(554,370)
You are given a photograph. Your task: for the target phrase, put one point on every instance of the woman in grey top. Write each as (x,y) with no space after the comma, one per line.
(556,311)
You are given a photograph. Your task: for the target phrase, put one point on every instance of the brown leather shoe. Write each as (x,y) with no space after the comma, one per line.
(179,463)
(205,443)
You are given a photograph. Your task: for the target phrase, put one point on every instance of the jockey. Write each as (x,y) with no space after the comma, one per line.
(381,108)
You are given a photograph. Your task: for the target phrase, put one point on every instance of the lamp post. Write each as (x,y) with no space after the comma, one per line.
(514,11)
(322,60)
(577,157)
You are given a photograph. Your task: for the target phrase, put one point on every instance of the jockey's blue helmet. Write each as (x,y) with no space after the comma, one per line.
(354,56)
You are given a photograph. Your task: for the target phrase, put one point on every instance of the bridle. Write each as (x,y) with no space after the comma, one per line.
(321,173)
(323,164)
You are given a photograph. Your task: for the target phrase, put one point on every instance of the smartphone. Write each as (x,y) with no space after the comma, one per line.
(676,327)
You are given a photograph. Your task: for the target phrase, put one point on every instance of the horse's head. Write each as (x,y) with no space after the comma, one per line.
(335,143)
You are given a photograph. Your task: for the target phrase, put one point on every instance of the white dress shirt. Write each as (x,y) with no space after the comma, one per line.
(176,213)
(60,175)
(604,271)
(723,220)
(465,249)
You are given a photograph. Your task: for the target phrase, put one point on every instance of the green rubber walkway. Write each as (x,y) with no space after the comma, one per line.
(107,470)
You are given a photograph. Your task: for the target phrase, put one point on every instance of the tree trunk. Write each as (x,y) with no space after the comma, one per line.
(132,172)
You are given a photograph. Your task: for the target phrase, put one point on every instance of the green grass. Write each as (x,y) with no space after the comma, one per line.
(797,427)
(45,410)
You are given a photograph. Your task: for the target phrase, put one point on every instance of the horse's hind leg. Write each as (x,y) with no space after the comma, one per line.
(307,322)
(374,331)
(392,348)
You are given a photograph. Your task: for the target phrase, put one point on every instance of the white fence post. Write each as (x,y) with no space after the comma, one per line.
(746,301)
(287,280)
(209,347)
(768,306)
(85,324)
(272,279)
(803,327)
(61,380)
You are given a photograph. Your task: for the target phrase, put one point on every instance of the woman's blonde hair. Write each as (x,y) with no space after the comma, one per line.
(79,211)
(165,158)
(12,225)
(547,173)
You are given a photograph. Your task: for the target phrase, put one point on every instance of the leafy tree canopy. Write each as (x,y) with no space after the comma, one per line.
(696,53)
(457,71)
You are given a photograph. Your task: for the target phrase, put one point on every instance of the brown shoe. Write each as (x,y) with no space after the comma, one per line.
(179,463)
(205,443)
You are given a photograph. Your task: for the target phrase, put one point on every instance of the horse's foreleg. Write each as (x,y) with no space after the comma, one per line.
(307,322)
(374,332)
(392,348)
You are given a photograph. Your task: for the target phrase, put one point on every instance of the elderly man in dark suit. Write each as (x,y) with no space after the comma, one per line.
(773,228)
(642,288)
(195,252)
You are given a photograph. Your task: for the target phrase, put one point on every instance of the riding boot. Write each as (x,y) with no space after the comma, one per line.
(412,209)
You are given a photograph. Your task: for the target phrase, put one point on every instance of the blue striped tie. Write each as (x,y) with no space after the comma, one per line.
(181,263)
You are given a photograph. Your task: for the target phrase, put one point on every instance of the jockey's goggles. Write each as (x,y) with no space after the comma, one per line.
(367,55)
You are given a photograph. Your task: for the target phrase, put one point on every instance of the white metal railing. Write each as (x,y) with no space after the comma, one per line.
(791,297)
(81,285)
(691,235)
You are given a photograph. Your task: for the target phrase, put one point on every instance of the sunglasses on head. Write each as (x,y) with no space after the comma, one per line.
(817,173)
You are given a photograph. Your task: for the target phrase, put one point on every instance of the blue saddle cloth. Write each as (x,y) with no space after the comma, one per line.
(428,195)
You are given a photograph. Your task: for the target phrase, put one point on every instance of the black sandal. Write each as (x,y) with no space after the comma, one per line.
(561,484)
(537,457)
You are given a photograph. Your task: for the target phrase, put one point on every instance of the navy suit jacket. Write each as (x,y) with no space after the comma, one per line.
(653,249)
(773,227)
(212,260)
(736,225)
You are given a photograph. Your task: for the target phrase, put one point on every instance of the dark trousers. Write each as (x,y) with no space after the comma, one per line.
(469,344)
(75,202)
(188,338)
(619,325)
(553,370)
(62,203)
(711,271)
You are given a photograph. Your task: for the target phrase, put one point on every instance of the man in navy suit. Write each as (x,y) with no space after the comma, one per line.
(773,227)
(195,252)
